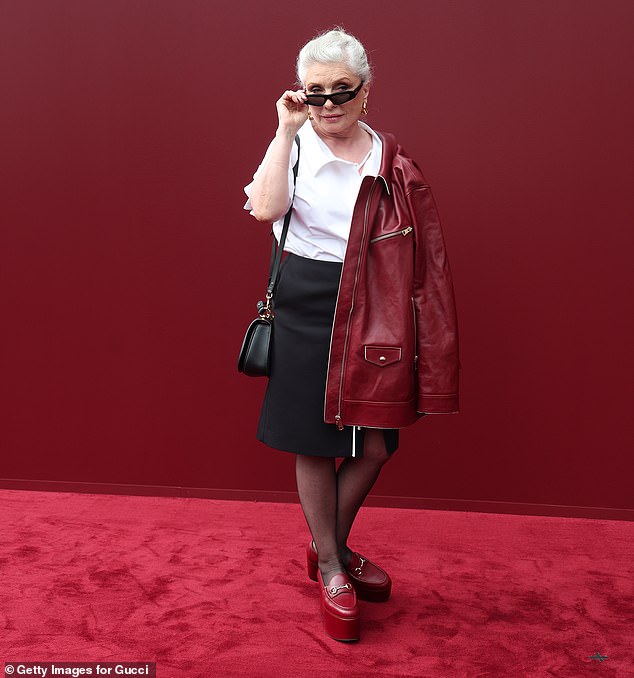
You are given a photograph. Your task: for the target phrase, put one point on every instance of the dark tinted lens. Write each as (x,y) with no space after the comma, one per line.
(337,99)
(315,99)
(341,97)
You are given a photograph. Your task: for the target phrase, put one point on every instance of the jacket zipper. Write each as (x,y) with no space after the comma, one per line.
(403,231)
(415,333)
(338,419)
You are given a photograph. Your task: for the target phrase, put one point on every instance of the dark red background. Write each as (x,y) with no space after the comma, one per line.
(129,270)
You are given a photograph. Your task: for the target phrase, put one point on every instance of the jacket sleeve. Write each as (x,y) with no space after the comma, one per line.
(436,321)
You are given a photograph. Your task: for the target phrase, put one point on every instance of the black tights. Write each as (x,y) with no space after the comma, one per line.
(331,498)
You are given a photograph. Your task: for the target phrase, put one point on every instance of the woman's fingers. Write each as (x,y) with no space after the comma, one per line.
(293,99)
(292,110)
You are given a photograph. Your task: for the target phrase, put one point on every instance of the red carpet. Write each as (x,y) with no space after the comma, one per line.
(211,588)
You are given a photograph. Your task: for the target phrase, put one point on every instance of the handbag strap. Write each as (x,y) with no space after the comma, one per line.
(276,250)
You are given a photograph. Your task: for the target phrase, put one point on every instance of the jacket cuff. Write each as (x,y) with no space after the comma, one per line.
(444,404)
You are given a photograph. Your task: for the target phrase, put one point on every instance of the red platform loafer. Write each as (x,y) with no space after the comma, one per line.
(370,582)
(339,607)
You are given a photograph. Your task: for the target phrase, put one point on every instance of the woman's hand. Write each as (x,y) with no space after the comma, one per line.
(292,111)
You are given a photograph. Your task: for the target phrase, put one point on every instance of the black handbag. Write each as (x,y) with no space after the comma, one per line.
(255,354)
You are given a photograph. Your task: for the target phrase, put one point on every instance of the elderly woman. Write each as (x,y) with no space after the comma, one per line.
(365,334)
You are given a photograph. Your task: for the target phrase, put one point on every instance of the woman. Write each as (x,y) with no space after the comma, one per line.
(365,334)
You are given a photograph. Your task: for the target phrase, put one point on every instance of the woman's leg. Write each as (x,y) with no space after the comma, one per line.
(317,488)
(355,478)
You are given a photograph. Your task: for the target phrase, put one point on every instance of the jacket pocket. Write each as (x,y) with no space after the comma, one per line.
(402,232)
(382,355)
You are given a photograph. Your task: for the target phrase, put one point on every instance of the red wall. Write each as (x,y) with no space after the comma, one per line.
(129,270)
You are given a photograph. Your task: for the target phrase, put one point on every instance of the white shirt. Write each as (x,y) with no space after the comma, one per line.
(325,195)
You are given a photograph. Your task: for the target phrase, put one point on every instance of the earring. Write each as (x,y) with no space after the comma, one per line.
(364,108)
(310,117)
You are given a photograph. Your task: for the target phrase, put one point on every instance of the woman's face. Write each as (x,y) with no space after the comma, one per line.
(330,119)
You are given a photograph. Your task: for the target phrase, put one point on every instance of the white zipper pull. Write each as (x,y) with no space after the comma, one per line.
(339,422)
(405,231)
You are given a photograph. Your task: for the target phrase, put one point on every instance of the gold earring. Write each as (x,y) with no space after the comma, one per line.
(310,117)
(364,108)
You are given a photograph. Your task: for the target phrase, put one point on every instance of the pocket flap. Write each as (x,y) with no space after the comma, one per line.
(382,355)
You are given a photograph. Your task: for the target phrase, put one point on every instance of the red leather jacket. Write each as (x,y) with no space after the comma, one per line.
(394,345)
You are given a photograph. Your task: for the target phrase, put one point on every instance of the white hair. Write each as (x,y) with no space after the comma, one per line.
(334,46)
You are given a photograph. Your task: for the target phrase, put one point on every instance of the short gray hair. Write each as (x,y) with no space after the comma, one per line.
(334,46)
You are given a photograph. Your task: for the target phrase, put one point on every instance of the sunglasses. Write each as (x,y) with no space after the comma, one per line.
(337,98)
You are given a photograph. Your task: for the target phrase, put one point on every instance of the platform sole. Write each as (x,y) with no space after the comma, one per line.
(343,629)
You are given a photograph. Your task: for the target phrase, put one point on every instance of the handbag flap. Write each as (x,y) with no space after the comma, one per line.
(254,353)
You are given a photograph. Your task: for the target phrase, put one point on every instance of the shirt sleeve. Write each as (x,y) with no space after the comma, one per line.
(292,160)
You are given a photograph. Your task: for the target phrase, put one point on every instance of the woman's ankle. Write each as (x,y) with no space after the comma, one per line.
(345,554)
(329,569)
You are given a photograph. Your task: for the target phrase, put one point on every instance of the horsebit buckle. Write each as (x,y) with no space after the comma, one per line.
(335,589)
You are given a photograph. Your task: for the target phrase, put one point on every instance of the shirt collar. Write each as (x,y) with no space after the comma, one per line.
(318,154)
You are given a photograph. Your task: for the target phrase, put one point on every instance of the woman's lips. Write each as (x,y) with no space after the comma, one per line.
(331,117)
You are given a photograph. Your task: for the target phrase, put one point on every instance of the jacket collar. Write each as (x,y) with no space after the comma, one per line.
(387,159)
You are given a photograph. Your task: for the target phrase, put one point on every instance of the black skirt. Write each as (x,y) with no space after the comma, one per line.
(292,416)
